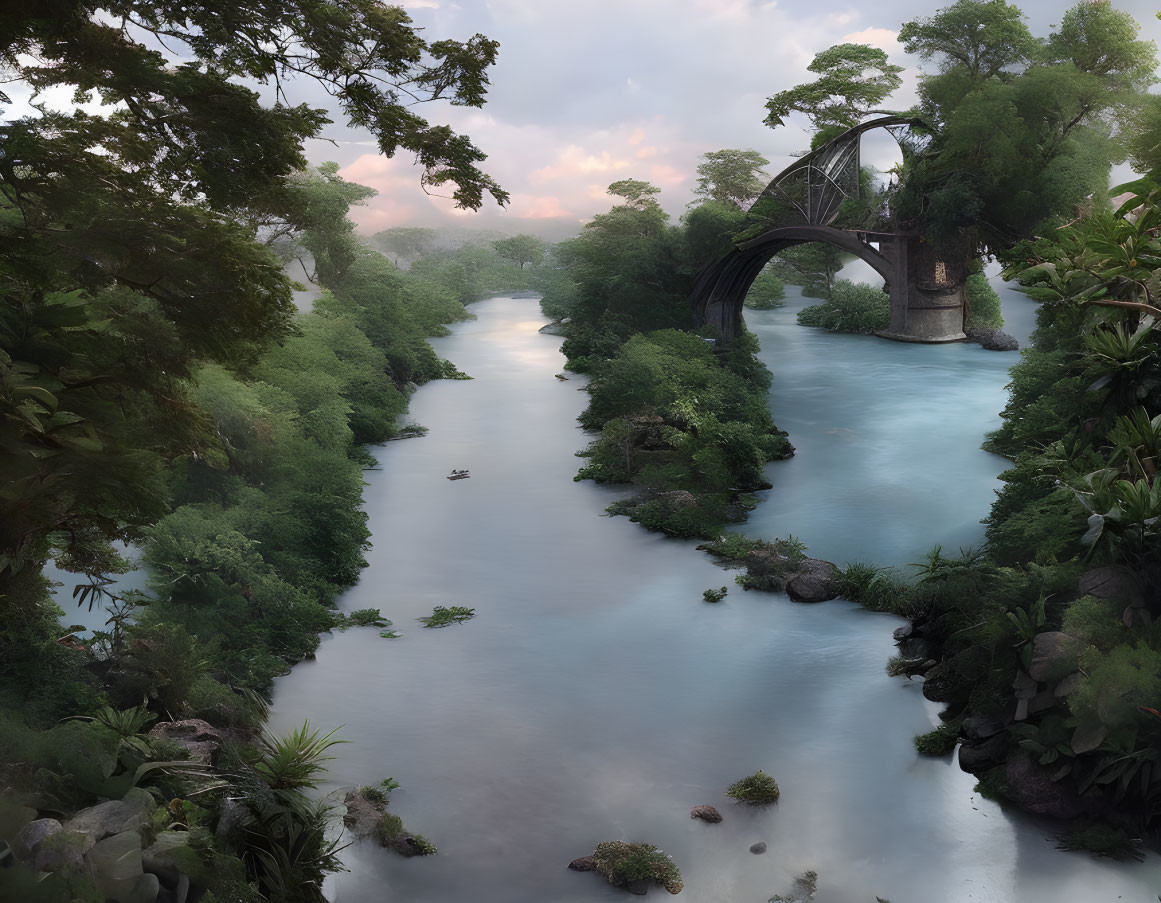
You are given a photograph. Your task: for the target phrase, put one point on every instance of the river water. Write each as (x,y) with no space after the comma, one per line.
(596,697)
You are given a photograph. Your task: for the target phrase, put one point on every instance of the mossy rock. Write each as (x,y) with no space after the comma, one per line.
(625,864)
(758,789)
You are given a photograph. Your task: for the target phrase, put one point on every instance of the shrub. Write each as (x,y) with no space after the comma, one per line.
(378,793)
(442,617)
(715,595)
(851,308)
(1100,840)
(983,303)
(939,742)
(733,546)
(757,789)
(623,862)
(362,617)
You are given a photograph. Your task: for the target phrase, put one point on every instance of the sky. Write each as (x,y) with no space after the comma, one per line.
(586,92)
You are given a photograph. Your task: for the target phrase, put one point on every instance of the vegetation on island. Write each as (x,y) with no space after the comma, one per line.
(757,789)
(685,423)
(624,863)
(442,616)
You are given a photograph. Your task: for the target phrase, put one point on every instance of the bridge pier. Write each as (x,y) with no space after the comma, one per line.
(928,302)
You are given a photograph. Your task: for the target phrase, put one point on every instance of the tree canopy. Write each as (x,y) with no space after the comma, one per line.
(730,176)
(142,240)
(853,80)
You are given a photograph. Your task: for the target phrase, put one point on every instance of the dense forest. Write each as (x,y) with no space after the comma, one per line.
(167,407)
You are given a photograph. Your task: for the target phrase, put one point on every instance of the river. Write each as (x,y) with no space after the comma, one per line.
(595,696)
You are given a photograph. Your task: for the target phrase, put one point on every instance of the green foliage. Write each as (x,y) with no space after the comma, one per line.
(732,546)
(813,266)
(939,742)
(378,793)
(730,176)
(1023,129)
(879,589)
(442,617)
(521,249)
(983,302)
(853,80)
(1101,840)
(361,617)
(404,242)
(690,432)
(766,292)
(389,831)
(981,36)
(623,862)
(851,308)
(757,789)
(715,595)
(294,762)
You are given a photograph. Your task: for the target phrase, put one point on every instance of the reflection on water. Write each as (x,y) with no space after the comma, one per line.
(596,697)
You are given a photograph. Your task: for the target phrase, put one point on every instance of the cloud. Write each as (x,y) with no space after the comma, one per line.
(573,161)
(883,38)
(527,206)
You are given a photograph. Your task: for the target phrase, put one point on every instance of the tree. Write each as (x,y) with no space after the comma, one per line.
(637,194)
(730,176)
(979,37)
(853,80)
(1024,131)
(520,249)
(130,243)
(404,242)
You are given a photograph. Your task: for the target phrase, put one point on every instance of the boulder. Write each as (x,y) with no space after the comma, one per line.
(982,754)
(583,864)
(170,856)
(362,813)
(813,581)
(759,847)
(130,813)
(29,839)
(114,865)
(1068,684)
(1031,787)
(706,814)
(992,339)
(640,887)
(902,633)
(200,738)
(1111,582)
(231,817)
(63,851)
(979,727)
(916,647)
(1054,656)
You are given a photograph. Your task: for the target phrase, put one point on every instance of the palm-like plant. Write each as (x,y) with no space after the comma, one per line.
(295,762)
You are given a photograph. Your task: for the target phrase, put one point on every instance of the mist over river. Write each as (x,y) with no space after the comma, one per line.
(596,697)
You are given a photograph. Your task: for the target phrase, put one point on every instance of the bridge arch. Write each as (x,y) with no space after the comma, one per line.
(800,205)
(720,288)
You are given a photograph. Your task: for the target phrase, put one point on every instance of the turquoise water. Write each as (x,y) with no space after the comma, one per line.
(596,697)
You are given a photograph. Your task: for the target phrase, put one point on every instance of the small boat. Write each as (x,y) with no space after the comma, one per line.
(458,475)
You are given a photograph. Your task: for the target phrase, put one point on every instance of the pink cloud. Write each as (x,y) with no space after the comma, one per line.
(530,206)
(665,176)
(637,136)
(573,162)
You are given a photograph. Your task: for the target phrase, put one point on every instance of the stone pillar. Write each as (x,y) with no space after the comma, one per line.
(928,296)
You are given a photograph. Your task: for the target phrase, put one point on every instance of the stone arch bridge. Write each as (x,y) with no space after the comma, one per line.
(801,205)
